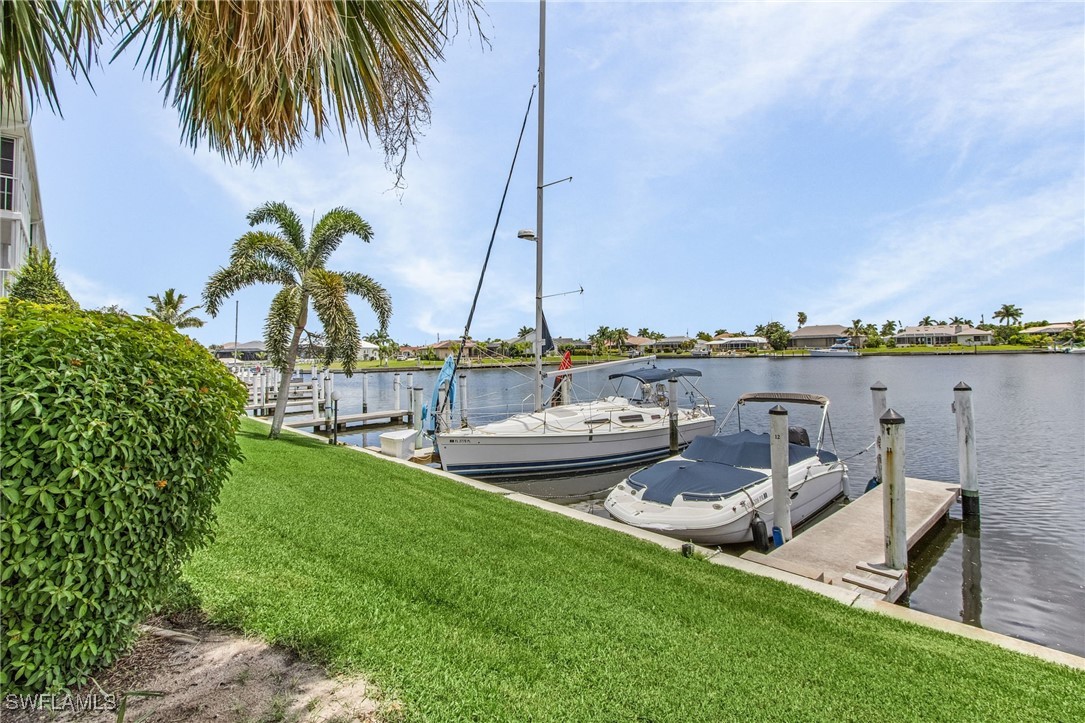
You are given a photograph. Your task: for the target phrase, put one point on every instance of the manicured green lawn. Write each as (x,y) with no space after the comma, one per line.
(467,606)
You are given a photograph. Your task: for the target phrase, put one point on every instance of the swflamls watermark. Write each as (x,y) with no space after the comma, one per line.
(75,702)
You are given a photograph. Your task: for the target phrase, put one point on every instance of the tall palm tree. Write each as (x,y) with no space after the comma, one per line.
(889,328)
(288,260)
(957,320)
(524,331)
(802,318)
(927,320)
(250,78)
(1008,313)
(167,308)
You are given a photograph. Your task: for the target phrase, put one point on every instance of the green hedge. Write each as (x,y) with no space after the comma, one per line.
(116,437)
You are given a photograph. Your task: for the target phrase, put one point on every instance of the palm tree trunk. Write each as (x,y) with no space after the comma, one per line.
(287,370)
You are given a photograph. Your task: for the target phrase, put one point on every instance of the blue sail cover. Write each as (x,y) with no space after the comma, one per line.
(448,373)
(716,466)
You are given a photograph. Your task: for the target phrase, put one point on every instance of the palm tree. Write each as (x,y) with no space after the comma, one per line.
(927,320)
(802,318)
(249,78)
(1008,313)
(856,331)
(1076,332)
(167,308)
(524,331)
(889,328)
(958,320)
(619,336)
(298,266)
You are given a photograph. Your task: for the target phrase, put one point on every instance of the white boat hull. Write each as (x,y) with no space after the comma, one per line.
(729,521)
(479,452)
(837,353)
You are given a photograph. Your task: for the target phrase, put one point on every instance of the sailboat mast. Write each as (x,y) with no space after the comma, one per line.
(539,214)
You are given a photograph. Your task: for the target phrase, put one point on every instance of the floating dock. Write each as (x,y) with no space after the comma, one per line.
(346,421)
(847,549)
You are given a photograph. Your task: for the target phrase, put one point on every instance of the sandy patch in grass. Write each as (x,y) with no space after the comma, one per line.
(207,673)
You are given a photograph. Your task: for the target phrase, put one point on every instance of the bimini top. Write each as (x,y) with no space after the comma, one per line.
(716,466)
(793,397)
(651,375)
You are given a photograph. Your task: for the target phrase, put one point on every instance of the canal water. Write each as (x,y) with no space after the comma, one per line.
(1022,572)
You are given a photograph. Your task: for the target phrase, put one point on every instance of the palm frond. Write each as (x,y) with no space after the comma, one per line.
(229,279)
(284,217)
(329,232)
(36,35)
(282,319)
(268,247)
(249,76)
(328,292)
(375,294)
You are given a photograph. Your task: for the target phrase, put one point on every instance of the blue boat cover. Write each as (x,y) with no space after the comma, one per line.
(716,466)
(651,375)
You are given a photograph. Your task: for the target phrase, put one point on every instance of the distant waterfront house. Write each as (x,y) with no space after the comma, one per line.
(943,334)
(443,348)
(820,336)
(21,223)
(737,343)
(246,351)
(1050,329)
(672,343)
(638,343)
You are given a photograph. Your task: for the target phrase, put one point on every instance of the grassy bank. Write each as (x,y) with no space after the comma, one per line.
(467,606)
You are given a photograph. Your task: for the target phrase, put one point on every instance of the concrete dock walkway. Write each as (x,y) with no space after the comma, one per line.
(847,549)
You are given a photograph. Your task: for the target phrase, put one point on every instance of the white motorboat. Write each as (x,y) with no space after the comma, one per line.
(720,488)
(613,431)
(842,349)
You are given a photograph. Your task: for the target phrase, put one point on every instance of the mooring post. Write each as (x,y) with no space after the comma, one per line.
(416,414)
(896,531)
(463,400)
(335,418)
(397,391)
(315,399)
(878,397)
(365,392)
(673,409)
(566,389)
(966,450)
(326,385)
(781,492)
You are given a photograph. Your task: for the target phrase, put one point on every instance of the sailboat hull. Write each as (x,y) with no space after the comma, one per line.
(474,453)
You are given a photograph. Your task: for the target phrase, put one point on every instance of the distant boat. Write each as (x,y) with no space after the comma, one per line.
(720,487)
(841,349)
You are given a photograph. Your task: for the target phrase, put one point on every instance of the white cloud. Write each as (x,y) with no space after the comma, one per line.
(92,294)
(952,255)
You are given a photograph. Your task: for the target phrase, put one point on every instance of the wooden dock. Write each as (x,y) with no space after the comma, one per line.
(346,421)
(847,548)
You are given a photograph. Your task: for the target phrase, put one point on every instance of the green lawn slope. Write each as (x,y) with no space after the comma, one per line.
(468,606)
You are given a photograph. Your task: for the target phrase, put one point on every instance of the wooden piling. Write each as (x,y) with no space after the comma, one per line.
(397,391)
(781,492)
(365,392)
(893,486)
(878,398)
(462,393)
(673,409)
(416,413)
(966,450)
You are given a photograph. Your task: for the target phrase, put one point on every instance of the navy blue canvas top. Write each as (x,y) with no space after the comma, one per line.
(668,479)
(650,375)
(716,466)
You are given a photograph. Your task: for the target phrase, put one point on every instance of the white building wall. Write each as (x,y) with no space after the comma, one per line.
(21,222)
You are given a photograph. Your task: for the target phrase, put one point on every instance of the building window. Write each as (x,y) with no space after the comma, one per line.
(7,174)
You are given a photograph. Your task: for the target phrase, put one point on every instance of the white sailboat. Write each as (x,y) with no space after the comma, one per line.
(575,437)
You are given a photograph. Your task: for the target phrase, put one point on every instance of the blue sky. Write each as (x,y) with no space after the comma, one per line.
(733,164)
